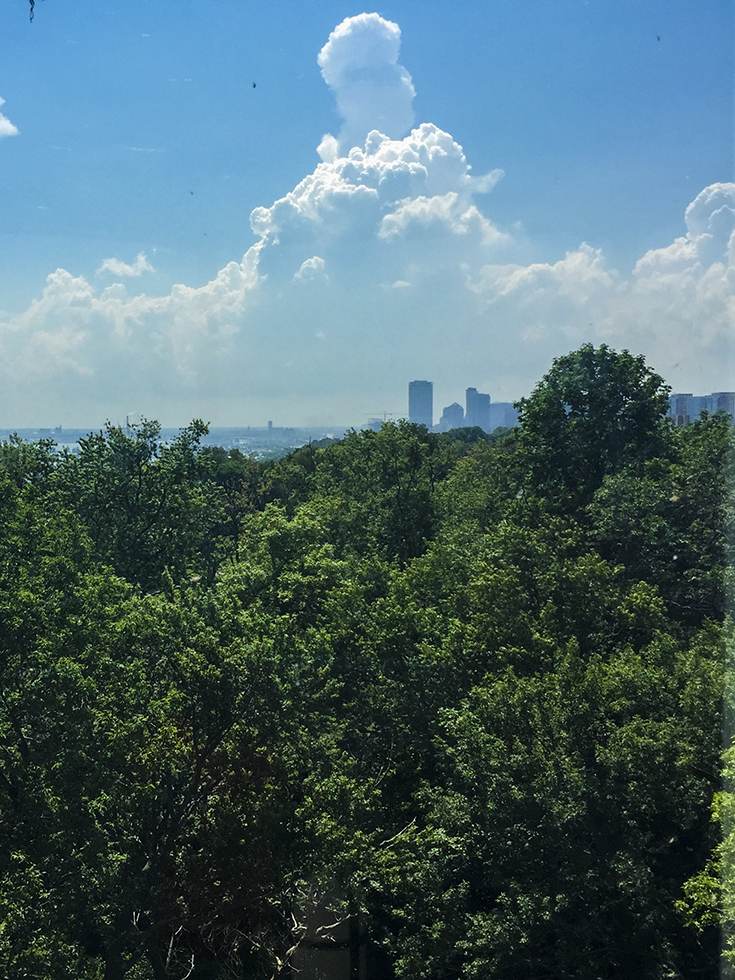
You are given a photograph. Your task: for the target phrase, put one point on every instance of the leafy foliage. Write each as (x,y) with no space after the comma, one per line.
(593,413)
(466,688)
(147,506)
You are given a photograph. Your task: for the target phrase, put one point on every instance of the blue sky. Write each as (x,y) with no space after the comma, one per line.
(140,133)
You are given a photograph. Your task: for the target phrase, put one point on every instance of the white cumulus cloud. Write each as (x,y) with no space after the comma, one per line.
(677,307)
(359,62)
(118,268)
(6,127)
(418,189)
(311,269)
(422,215)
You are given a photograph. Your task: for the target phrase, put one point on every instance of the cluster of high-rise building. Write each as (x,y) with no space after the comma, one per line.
(479,410)
(684,407)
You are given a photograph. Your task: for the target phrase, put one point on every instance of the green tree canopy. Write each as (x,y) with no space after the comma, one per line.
(147,505)
(595,411)
(470,688)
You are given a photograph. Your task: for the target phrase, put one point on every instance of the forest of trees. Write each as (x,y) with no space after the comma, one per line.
(467,687)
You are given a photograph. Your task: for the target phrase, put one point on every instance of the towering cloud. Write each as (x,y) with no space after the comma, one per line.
(377,267)
(710,220)
(359,62)
(417,189)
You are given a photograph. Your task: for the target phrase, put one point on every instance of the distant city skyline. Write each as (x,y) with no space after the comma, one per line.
(681,404)
(479,410)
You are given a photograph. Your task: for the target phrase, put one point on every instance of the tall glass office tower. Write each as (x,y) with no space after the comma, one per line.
(421,402)
(478,409)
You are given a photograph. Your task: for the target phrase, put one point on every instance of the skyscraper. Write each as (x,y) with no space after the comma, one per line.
(680,407)
(478,409)
(503,415)
(684,407)
(724,400)
(421,402)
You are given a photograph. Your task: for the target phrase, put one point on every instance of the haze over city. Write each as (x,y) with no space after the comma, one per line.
(286,213)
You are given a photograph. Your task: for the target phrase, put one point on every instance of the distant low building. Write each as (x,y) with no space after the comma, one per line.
(452,417)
